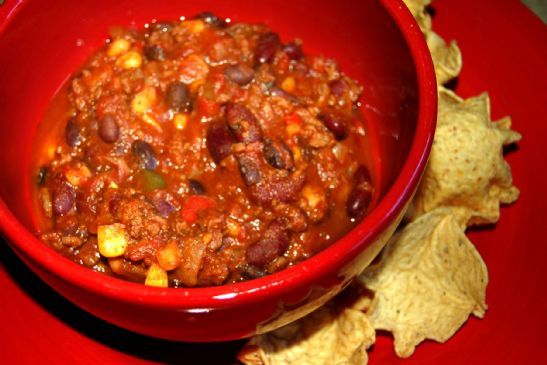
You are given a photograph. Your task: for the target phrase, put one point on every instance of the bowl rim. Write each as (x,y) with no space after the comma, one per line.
(306,272)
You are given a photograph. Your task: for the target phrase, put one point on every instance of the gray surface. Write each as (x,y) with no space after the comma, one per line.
(539,7)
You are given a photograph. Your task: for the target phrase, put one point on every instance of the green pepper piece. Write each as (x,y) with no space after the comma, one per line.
(151,180)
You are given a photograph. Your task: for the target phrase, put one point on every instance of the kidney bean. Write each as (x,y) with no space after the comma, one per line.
(293,50)
(145,153)
(154,52)
(241,74)
(109,130)
(358,201)
(72,132)
(177,97)
(282,188)
(278,155)
(273,244)
(243,123)
(250,170)
(63,199)
(337,87)
(89,254)
(196,187)
(211,19)
(266,47)
(361,175)
(219,140)
(335,124)
(276,91)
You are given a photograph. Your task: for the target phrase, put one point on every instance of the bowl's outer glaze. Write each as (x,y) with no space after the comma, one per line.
(43,42)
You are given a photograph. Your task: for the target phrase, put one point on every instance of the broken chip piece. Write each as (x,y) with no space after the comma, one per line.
(429,279)
(333,334)
(466,168)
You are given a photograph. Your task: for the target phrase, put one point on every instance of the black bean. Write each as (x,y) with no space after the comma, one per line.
(358,201)
(278,155)
(243,123)
(293,50)
(250,170)
(212,19)
(178,97)
(361,176)
(63,199)
(145,153)
(219,140)
(337,87)
(72,131)
(41,175)
(335,124)
(266,47)
(241,74)
(109,130)
(273,244)
(154,52)
(196,187)
(161,201)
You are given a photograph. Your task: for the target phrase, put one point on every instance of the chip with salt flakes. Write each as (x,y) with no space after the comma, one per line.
(429,279)
(466,169)
(331,335)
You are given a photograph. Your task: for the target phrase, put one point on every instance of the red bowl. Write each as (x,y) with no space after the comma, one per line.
(377,42)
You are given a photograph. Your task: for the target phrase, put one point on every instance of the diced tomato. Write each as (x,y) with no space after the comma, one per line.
(293,118)
(194,205)
(207,107)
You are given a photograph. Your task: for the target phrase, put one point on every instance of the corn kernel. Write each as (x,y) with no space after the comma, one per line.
(156,276)
(313,195)
(151,121)
(78,175)
(180,120)
(144,100)
(131,59)
(292,129)
(111,240)
(194,26)
(233,228)
(288,84)
(169,256)
(118,47)
(207,238)
(113,185)
(296,154)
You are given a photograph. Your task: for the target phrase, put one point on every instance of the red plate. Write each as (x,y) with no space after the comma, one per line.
(504,49)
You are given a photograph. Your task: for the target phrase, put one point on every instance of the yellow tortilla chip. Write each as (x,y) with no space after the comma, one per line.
(466,169)
(429,279)
(417,8)
(447,58)
(328,336)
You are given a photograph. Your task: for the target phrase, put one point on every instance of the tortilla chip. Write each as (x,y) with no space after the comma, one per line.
(447,58)
(429,279)
(331,335)
(466,169)
(418,10)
